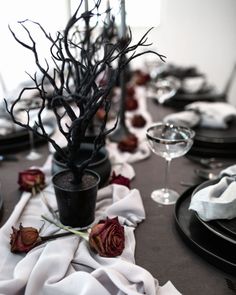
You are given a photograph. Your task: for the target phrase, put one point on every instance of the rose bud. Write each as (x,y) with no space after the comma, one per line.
(107,238)
(130,91)
(128,144)
(141,78)
(131,104)
(24,239)
(138,121)
(31,180)
(100,114)
(120,179)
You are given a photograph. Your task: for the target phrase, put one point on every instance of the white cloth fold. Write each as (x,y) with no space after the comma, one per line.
(218,200)
(215,115)
(67,265)
(185,118)
(142,151)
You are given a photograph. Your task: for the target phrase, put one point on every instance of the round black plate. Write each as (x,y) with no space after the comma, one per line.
(207,244)
(20,140)
(228,225)
(217,136)
(219,227)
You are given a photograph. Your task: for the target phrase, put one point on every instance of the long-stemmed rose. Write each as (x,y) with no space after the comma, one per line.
(31,180)
(107,237)
(24,239)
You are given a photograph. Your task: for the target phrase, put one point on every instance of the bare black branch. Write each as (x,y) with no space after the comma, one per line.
(79,56)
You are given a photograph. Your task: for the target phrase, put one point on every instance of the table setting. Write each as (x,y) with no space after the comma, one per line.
(81,261)
(176,86)
(134,228)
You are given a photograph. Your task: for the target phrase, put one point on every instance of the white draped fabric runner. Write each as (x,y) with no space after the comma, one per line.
(67,265)
(143,150)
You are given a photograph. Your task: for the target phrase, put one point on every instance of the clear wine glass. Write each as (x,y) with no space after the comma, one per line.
(168,141)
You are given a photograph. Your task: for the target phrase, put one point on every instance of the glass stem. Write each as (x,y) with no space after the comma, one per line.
(31,140)
(167,168)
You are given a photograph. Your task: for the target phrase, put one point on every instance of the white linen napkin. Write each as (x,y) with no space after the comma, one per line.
(67,265)
(217,201)
(214,114)
(204,114)
(185,118)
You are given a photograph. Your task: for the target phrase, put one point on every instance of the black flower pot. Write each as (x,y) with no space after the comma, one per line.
(76,203)
(101,164)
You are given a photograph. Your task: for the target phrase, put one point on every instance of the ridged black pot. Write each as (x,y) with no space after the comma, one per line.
(101,164)
(76,203)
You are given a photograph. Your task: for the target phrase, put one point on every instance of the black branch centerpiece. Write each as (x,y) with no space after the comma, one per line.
(77,65)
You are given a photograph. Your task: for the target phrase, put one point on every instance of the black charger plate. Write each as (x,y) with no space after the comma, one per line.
(20,140)
(206,243)
(215,142)
(226,229)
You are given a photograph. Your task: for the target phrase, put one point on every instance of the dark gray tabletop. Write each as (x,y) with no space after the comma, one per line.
(159,247)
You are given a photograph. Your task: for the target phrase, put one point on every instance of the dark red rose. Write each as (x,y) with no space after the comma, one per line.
(120,179)
(141,78)
(24,239)
(107,237)
(100,114)
(131,104)
(128,144)
(31,180)
(130,91)
(138,121)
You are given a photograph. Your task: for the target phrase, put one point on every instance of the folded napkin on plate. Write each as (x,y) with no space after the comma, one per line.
(185,118)
(217,201)
(67,265)
(204,114)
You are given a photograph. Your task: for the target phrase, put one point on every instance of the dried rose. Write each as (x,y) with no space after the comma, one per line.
(107,237)
(141,78)
(138,121)
(131,104)
(120,179)
(24,239)
(31,180)
(130,91)
(128,144)
(101,113)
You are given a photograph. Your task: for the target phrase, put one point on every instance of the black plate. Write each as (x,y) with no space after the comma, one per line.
(213,152)
(228,225)
(180,100)
(208,245)
(219,137)
(215,142)
(20,140)
(226,229)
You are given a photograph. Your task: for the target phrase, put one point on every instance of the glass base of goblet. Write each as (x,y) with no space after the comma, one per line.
(33,156)
(165,196)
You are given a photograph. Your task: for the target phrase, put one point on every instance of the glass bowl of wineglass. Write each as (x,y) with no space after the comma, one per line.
(168,141)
